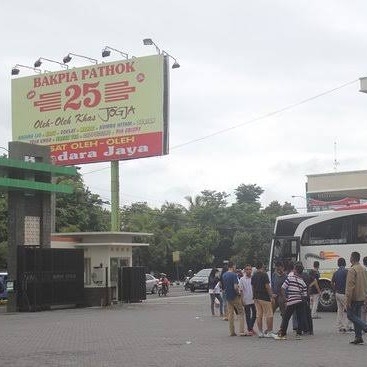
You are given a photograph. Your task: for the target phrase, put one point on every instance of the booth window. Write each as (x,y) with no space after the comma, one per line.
(87,271)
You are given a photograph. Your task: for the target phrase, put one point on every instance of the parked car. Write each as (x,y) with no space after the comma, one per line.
(201,280)
(151,283)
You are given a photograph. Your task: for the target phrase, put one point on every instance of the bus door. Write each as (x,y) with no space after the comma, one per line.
(285,249)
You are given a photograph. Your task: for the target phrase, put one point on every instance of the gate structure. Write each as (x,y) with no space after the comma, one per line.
(49,277)
(27,177)
(131,283)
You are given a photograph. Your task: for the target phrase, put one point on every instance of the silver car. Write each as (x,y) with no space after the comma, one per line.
(151,283)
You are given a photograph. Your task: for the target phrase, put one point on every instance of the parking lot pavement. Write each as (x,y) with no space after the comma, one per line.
(170,331)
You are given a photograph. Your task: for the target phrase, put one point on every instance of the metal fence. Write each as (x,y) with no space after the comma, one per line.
(131,283)
(49,277)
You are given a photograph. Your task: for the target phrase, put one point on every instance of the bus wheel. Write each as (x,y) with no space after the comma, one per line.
(327,300)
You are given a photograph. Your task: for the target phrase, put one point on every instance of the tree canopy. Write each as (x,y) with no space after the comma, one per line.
(206,232)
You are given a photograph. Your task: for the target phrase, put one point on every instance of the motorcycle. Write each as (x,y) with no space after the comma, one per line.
(162,289)
(187,285)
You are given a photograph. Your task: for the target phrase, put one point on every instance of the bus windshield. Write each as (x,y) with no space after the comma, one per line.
(287,226)
(285,245)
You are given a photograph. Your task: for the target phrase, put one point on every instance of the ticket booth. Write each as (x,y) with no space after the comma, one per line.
(104,254)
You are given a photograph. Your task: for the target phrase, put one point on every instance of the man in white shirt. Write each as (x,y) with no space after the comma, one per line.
(247,299)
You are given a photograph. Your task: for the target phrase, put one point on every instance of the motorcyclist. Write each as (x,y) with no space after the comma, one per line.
(190,274)
(165,282)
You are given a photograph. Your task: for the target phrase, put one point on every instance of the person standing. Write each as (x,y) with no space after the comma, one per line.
(214,291)
(295,291)
(230,284)
(277,280)
(224,298)
(314,289)
(364,307)
(306,322)
(248,300)
(355,294)
(263,301)
(338,282)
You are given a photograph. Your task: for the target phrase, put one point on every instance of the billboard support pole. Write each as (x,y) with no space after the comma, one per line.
(115,201)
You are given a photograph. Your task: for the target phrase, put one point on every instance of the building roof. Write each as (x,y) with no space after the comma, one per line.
(100,238)
(92,244)
(337,185)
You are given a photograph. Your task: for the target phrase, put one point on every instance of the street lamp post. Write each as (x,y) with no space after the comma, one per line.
(38,62)
(16,69)
(68,58)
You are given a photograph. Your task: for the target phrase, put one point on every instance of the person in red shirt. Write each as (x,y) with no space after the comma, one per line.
(165,282)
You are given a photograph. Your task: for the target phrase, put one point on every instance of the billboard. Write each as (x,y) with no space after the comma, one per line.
(104,112)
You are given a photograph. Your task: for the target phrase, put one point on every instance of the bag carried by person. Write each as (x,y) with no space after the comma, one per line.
(217,288)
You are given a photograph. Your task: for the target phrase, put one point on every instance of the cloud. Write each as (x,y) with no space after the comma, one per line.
(241,61)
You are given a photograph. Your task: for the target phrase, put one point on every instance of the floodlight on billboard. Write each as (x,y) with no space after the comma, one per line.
(105,112)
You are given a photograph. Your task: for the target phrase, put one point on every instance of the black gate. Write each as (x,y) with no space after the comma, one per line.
(49,277)
(131,284)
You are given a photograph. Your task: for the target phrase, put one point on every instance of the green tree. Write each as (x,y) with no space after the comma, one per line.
(248,193)
(251,240)
(207,209)
(196,246)
(206,233)
(3,255)
(210,211)
(81,211)
(139,217)
(276,209)
(3,218)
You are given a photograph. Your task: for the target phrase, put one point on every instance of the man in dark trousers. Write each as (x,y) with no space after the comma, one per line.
(277,280)
(355,294)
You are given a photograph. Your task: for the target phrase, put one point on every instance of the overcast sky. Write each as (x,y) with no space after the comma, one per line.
(241,105)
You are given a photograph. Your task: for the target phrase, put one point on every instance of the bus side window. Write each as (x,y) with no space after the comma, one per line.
(361,233)
(334,231)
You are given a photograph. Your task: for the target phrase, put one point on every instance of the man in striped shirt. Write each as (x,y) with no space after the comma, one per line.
(295,291)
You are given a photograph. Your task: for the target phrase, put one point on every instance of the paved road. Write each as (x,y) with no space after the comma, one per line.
(175,290)
(166,332)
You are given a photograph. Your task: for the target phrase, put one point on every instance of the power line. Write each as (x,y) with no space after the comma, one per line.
(276,112)
(267,115)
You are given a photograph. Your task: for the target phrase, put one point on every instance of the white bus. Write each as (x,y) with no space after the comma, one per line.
(322,236)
